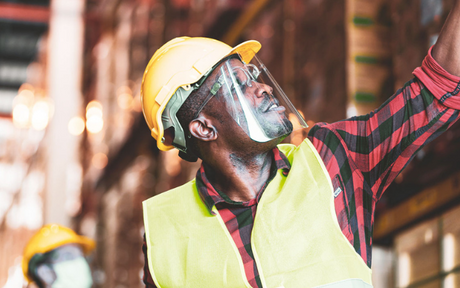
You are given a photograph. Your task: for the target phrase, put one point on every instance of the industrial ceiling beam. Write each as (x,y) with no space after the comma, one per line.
(243,21)
(28,13)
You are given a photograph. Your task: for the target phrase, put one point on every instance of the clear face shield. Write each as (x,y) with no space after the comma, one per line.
(253,99)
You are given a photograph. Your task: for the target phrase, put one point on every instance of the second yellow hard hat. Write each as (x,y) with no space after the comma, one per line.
(50,237)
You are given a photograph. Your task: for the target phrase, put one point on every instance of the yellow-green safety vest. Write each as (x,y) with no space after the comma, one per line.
(296,239)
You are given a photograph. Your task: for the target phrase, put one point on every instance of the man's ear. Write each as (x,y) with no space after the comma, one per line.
(203,129)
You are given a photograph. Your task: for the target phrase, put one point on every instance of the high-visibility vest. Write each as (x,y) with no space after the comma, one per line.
(296,239)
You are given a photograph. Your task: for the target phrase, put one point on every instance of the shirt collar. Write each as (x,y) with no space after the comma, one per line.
(210,196)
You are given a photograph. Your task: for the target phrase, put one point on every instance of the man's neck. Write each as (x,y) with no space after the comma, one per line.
(240,177)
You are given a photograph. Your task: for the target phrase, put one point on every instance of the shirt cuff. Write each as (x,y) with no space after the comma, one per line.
(443,85)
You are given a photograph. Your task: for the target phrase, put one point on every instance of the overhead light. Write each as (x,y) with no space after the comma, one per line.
(99,160)
(94,120)
(94,124)
(125,100)
(21,115)
(40,115)
(94,108)
(76,125)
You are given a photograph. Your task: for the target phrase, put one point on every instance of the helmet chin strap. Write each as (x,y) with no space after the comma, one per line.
(189,156)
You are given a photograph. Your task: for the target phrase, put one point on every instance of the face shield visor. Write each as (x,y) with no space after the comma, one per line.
(253,98)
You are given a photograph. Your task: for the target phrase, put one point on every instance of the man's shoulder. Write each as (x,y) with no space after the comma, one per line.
(176,205)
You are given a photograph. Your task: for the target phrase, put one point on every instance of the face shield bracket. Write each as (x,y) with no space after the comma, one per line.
(173,131)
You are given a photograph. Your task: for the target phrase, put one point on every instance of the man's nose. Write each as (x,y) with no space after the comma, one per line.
(262,88)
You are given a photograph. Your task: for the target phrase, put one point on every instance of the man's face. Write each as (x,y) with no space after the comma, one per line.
(249,101)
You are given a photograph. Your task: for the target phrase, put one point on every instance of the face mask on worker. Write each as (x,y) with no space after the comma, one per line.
(253,99)
(65,267)
(73,273)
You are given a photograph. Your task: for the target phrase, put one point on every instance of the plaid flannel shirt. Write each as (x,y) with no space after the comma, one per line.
(363,155)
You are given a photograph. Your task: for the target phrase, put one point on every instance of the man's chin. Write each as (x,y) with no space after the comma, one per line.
(284,130)
(279,139)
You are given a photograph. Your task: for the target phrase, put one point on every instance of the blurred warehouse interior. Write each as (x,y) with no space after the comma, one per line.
(75,149)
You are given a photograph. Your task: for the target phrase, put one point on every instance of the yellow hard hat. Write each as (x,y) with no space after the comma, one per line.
(50,237)
(178,64)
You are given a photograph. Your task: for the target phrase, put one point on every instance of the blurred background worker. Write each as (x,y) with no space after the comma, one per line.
(55,257)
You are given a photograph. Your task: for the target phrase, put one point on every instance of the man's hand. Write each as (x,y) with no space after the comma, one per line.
(447,49)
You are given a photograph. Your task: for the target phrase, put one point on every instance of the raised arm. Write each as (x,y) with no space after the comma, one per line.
(447,49)
(379,145)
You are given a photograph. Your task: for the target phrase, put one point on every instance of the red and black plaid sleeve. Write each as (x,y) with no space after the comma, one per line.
(364,154)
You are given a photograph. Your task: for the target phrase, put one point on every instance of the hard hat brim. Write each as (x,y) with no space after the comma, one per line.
(246,50)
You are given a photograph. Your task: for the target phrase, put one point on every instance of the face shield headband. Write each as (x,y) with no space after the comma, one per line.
(254,100)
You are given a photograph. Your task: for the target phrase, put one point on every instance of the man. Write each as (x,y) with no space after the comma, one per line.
(260,214)
(55,257)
